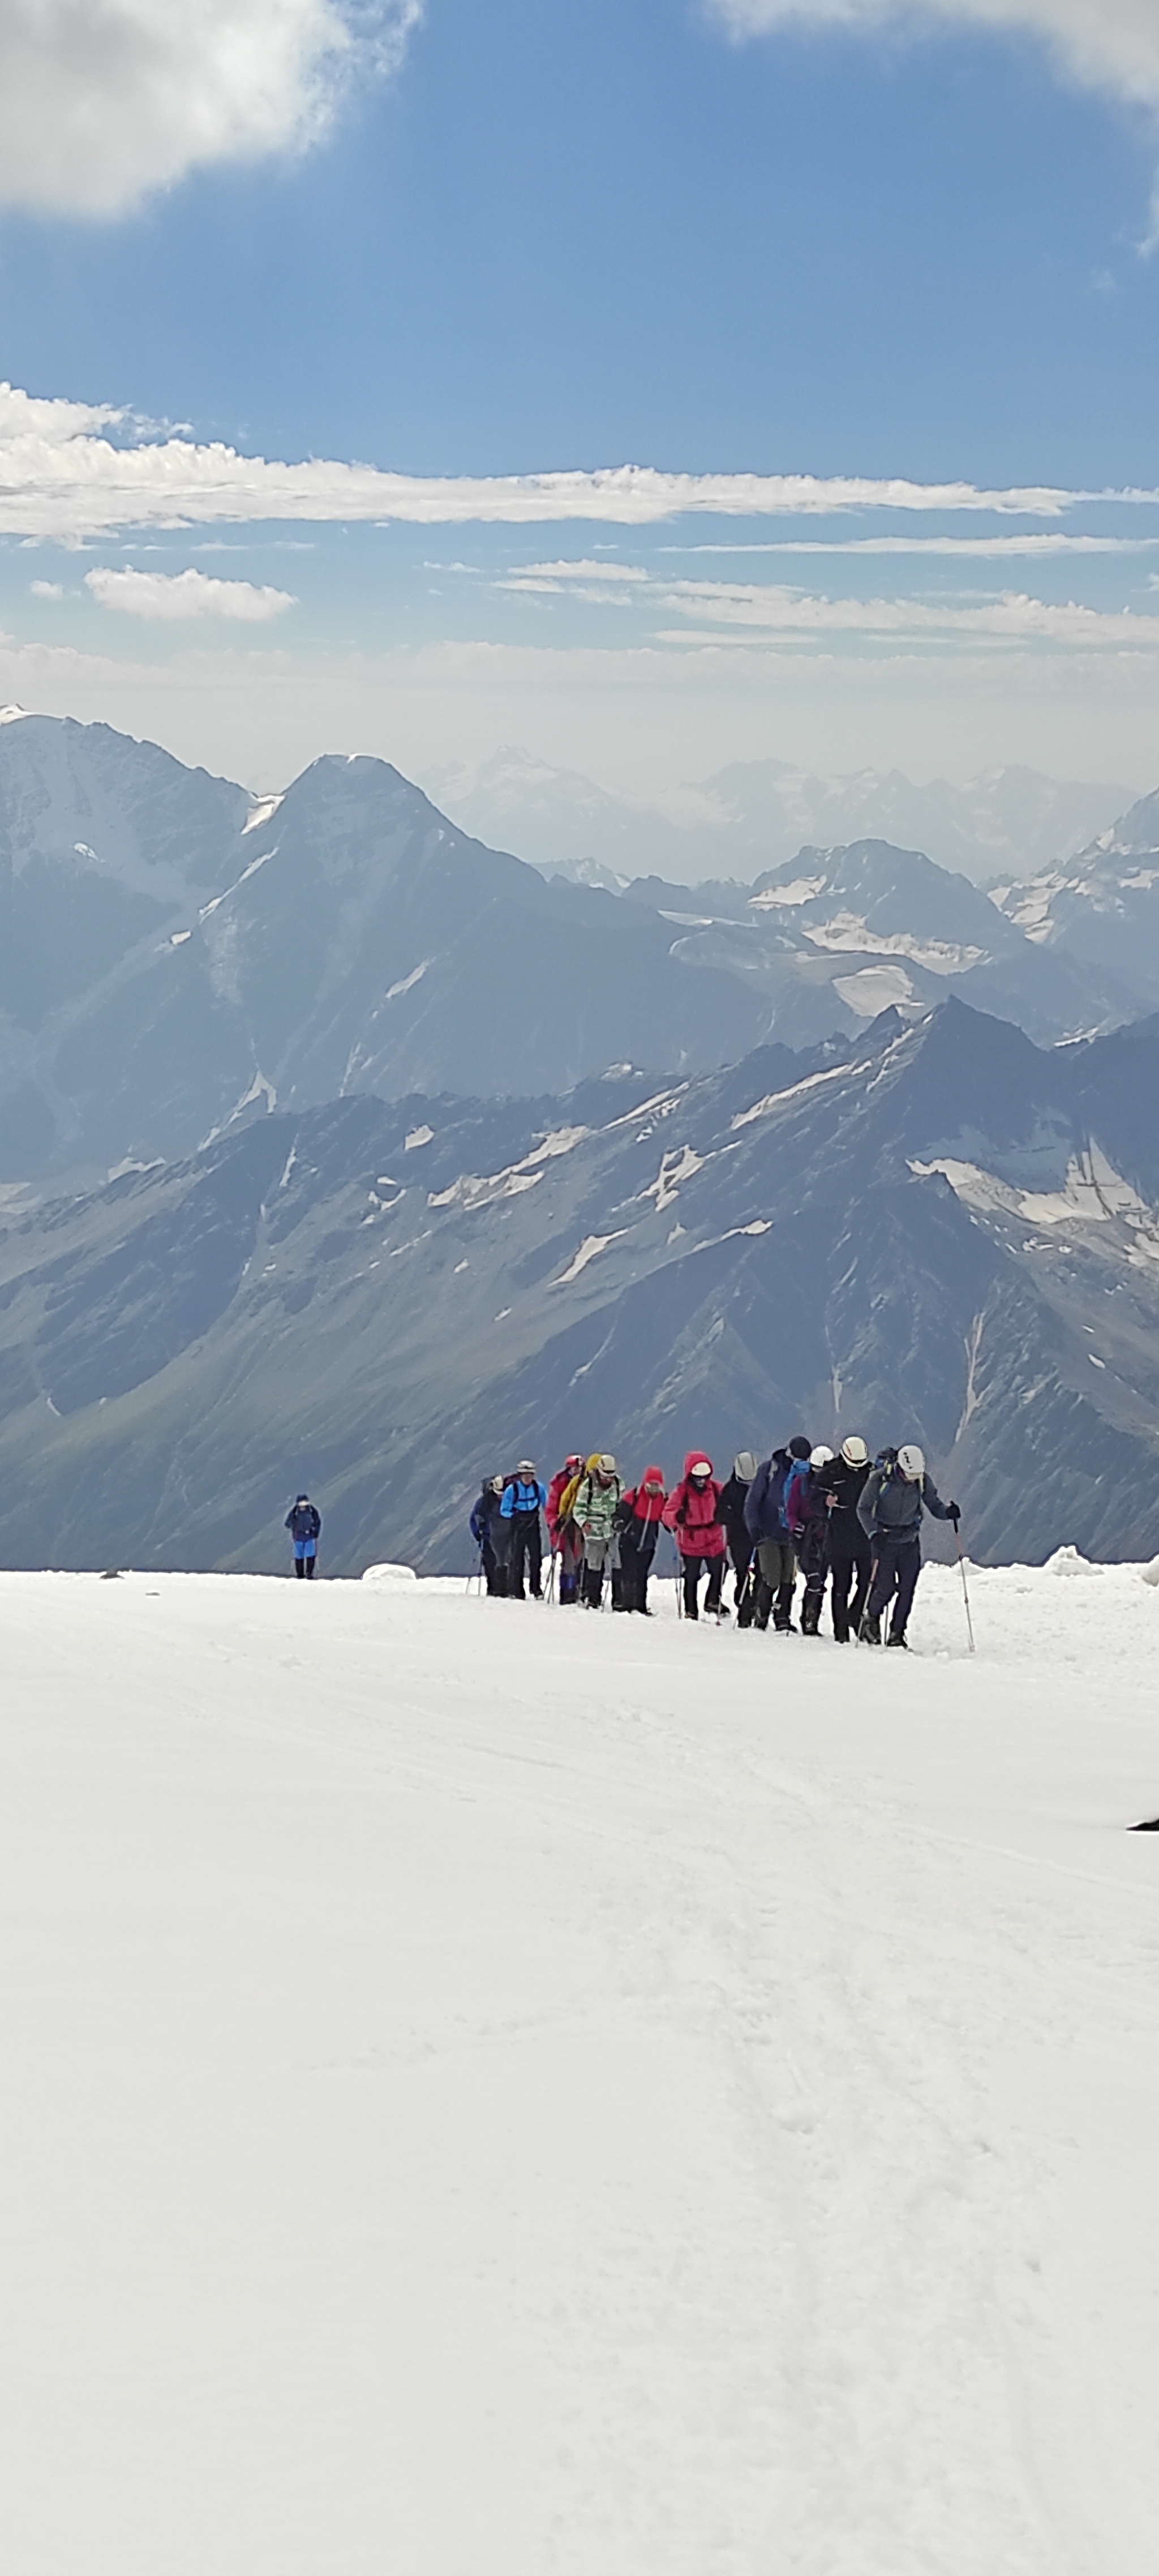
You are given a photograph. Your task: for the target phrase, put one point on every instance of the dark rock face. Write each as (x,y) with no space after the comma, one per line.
(938,1231)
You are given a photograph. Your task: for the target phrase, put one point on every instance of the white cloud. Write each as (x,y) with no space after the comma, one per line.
(166,595)
(584,570)
(1106,44)
(47,589)
(73,470)
(1014,618)
(103,100)
(1047,543)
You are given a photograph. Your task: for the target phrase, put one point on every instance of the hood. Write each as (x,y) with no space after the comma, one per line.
(694,1458)
(650,1473)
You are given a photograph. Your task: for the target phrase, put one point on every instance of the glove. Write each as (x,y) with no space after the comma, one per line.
(954,1513)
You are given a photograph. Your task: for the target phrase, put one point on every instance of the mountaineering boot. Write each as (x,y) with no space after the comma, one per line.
(898,1641)
(811,1616)
(870,1631)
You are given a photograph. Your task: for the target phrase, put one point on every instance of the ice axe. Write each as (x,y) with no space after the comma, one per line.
(965,1585)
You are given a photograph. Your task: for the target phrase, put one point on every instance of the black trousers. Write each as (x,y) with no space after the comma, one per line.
(694,1567)
(744,1583)
(851,1562)
(526,1548)
(898,1563)
(495,1573)
(813,1561)
(630,1585)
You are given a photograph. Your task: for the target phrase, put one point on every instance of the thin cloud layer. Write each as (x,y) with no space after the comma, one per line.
(169,597)
(74,470)
(1013,618)
(1105,44)
(102,103)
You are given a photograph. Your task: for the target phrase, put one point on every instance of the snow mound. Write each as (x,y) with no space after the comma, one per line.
(1067,1560)
(1151,1572)
(384,1578)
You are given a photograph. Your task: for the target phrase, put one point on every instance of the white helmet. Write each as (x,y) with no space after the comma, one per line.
(854,1451)
(821,1456)
(744,1466)
(911,1461)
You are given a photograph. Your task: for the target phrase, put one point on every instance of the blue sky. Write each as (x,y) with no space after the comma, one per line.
(696,239)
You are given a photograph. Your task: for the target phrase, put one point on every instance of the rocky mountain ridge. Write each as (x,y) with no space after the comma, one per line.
(179,956)
(936,1230)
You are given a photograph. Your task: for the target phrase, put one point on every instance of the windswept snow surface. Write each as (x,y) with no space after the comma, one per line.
(496,2089)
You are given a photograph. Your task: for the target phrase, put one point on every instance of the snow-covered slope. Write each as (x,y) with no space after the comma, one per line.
(496,2090)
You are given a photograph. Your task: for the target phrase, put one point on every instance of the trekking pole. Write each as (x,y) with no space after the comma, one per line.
(679,1572)
(965,1586)
(551,1579)
(476,1573)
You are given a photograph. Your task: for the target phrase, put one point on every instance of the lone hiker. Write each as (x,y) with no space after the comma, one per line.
(304,1523)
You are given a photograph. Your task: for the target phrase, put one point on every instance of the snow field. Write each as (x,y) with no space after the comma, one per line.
(493,2090)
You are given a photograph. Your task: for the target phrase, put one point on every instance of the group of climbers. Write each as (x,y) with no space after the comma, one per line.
(831,1516)
(842,1517)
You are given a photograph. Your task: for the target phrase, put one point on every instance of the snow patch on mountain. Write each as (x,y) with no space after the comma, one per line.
(676,1167)
(406,983)
(775,898)
(846,932)
(473,1191)
(875,989)
(589,1250)
(260,813)
(774,1100)
(1093,1193)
